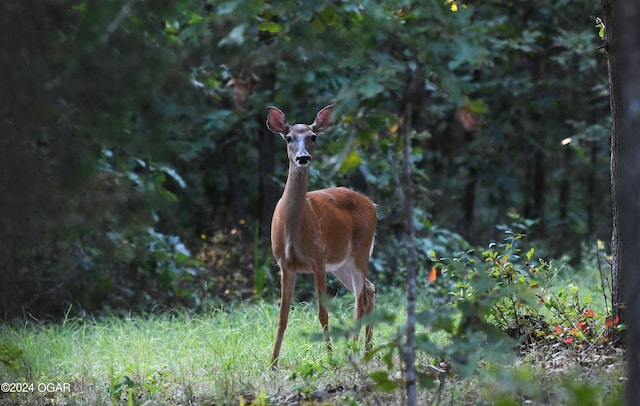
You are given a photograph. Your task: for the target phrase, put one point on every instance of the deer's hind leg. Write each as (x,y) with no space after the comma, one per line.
(353,278)
(367,301)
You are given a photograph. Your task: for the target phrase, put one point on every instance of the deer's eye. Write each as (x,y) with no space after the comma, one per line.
(287,138)
(314,138)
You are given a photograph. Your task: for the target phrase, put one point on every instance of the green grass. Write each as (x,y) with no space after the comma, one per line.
(223,358)
(176,357)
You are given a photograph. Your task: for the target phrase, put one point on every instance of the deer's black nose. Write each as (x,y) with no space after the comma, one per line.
(303,159)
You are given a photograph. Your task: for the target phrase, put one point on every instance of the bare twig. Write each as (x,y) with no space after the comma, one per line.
(442,378)
(603,279)
(124,11)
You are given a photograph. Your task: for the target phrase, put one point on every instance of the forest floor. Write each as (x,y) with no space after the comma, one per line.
(222,358)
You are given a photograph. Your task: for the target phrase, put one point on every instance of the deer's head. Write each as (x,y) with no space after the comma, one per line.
(300,138)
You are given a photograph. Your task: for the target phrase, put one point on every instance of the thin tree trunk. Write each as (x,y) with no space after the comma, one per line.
(409,240)
(539,187)
(591,186)
(469,203)
(617,310)
(469,199)
(565,191)
(268,190)
(414,92)
(625,52)
(235,194)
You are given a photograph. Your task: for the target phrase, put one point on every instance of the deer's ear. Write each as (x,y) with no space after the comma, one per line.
(324,120)
(276,120)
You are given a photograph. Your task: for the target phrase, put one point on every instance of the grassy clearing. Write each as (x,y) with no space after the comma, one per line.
(175,357)
(223,358)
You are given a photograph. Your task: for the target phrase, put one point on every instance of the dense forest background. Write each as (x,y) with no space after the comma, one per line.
(137,171)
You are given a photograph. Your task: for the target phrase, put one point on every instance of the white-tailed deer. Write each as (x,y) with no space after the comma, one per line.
(327,230)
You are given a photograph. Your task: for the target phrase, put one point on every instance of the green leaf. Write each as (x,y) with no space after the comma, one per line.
(427,381)
(351,162)
(194,18)
(601,26)
(382,381)
(270,27)
(371,88)
(530,253)
(478,106)
(9,355)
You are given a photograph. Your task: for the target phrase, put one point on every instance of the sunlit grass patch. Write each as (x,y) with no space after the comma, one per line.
(223,357)
(175,356)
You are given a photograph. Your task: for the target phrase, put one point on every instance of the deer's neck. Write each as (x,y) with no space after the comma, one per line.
(294,200)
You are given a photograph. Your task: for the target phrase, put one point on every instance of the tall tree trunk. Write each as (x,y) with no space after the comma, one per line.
(235,194)
(536,194)
(617,309)
(625,53)
(413,94)
(409,240)
(268,190)
(591,185)
(469,199)
(565,191)
(539,187)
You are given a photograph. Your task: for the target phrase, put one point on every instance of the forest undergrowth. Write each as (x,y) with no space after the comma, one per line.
(221,356)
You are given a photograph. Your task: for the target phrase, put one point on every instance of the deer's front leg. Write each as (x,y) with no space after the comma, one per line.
(287,286)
